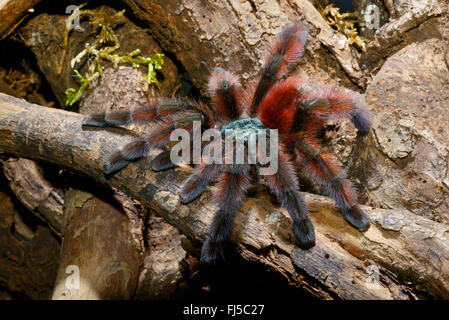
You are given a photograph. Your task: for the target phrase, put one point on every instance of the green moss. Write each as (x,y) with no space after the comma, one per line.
(104,49)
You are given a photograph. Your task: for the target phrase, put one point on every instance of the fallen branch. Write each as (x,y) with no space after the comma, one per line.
(410,252)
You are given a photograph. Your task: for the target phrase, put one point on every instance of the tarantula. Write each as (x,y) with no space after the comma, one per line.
(298,110)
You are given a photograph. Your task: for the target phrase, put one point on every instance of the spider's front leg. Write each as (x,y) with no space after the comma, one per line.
(197,183)
(324,168)
(284,185)
(282,56)
(157,136)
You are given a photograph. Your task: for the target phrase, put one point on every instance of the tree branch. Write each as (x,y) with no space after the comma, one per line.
(411,252)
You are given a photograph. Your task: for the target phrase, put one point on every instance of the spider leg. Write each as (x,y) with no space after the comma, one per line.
(294,106)
(120,117)
(284,185)
(233,183)
(158,109)
(162,161)
(252,190)
(324,168)
(158,136)
(340,103)
(121,158)
(225,92)
(204,174)
(283,55)
(197,183)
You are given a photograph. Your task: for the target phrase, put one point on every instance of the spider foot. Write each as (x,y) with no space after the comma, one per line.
(212,253)
(95,120)
(162,162)
(305,233)
(192,189)
(357,218)
(115,163)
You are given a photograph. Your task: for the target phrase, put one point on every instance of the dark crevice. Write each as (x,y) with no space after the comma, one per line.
(238,278)
(14,295)
(14,55)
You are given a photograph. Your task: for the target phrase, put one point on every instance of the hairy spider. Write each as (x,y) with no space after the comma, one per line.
(297,109)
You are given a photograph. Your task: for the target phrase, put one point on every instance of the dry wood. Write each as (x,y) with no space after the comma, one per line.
(115,90)
(411,252)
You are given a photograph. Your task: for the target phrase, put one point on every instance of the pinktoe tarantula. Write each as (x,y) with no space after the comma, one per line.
(298,110)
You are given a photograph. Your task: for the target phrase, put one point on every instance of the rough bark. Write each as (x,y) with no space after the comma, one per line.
(115,90)
(233,35)
(46,36)
(411,252)
(160,275)
(404,164)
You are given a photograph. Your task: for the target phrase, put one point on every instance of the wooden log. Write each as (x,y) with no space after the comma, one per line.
(408,254)
(113,91)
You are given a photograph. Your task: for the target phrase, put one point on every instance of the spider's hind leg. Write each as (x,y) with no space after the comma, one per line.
(324,168)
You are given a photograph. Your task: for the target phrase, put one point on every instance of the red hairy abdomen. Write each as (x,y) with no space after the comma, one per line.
(279,105)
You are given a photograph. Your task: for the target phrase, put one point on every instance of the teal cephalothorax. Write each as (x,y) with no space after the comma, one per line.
(242,129)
